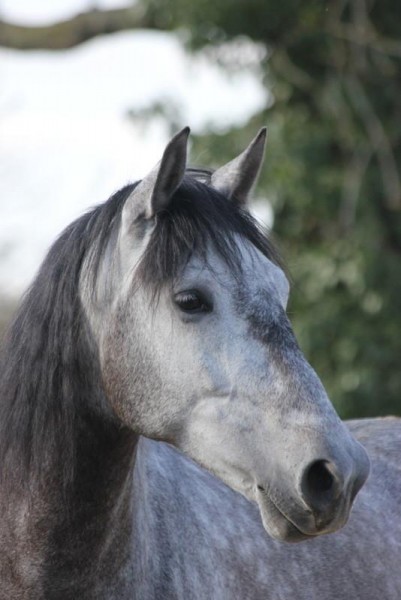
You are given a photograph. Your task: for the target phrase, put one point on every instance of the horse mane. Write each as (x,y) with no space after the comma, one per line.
(47,363)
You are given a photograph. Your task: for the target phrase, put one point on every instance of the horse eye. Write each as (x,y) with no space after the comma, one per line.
(191,302)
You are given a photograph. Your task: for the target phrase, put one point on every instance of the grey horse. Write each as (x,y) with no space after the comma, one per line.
(162,435)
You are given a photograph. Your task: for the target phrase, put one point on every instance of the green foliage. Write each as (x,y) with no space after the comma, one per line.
(332,173)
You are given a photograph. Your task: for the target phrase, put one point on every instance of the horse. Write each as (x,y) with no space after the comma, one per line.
(162,435)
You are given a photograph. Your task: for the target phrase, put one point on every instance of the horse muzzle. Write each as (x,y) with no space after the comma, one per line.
(322,502)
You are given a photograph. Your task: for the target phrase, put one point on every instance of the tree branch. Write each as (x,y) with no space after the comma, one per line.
(74,31)
(379,140)
(366,37)
(295,75)
(353,180)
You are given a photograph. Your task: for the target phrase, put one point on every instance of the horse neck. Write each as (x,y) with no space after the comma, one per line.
(77,538)
(97,517)
(70,529)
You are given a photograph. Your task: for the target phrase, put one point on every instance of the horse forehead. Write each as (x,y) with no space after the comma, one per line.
(257,271)
(260,272)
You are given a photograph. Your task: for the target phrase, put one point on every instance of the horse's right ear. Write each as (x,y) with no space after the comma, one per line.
(237,178)
(155,191)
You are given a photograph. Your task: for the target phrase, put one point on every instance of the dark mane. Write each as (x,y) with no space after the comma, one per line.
(47,363)
(46,369)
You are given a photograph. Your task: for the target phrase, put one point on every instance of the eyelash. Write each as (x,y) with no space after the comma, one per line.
(192,302)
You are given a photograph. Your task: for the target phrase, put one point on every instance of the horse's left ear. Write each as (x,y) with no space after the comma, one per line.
(237,178)
(154,192)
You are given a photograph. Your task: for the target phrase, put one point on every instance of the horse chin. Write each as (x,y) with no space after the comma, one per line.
(277,525)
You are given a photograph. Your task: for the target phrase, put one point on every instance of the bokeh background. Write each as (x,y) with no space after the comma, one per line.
(91,91)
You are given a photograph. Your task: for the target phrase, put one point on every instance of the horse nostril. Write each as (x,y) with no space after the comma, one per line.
(318,478)
(321,486)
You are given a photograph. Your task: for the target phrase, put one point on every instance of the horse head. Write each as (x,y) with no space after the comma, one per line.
(188,311)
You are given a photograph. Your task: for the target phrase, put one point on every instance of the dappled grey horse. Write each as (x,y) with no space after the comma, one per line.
(156,326)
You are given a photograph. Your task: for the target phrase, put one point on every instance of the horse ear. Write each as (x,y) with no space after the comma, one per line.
(154,192)
(236,178)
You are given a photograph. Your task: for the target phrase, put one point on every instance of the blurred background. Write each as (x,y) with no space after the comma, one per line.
(92,90)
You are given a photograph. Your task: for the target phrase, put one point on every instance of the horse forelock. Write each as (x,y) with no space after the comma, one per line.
(198,217)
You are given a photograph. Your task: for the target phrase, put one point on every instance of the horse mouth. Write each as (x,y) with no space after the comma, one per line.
(277,524)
